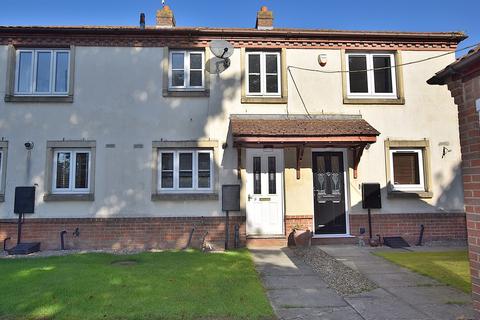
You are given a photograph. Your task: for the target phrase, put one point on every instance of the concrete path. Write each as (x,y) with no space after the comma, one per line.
(297,292)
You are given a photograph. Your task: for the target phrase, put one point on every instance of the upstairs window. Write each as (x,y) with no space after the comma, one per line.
(263,76)
(186,70)
(42,72)
(371,75)
(71,171)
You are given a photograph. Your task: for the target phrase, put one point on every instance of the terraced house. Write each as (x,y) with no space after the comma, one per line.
(133,131)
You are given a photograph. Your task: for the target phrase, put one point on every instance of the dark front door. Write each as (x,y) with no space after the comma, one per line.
(329,193)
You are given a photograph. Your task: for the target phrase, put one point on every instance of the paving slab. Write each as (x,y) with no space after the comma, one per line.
(429,295)
(306,298)
(402,279)
(336,313)
(380,304)
(273,282)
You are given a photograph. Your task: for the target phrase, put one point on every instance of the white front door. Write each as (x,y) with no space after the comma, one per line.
(264,192)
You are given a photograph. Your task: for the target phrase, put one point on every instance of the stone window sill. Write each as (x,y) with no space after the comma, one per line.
(59,99)
(184,196)
(68,197)
(186,93)
(410,194)
(266,100)
(398,101)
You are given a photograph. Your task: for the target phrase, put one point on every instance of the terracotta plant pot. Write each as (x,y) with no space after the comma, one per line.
(302,238)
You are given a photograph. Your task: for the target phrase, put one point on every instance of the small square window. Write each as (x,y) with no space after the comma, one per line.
(186,70)
(371,75)
(406,168)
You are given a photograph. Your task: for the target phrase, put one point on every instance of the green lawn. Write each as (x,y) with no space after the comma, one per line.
(449,267)
(163,285)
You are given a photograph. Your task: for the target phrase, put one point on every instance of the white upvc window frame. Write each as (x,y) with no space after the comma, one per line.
(263,74)
(371,77)
(186,70)
(176,171)
(73,160)
(1,171)
(421,172)
(33,71)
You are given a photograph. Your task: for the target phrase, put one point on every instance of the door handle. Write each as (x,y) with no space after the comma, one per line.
(249,197)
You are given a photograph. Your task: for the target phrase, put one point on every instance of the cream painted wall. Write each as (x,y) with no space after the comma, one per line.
(118,99)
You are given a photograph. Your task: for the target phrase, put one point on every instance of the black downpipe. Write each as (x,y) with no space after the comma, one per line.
(62,240)
(5,243)
(227,229)
(19,228)
(420,238)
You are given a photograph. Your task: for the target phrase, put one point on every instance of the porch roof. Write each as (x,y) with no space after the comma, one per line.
(318,129)
(298,131)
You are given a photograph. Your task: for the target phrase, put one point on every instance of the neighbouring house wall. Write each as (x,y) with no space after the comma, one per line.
(125,106)
(466,95)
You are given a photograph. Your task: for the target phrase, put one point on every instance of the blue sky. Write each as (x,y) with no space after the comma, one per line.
(419,15)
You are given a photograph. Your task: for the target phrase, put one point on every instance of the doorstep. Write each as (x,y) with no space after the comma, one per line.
(335,239)
(266,241)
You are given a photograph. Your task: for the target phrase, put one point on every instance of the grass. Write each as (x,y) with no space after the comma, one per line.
(448,267)
(163,285)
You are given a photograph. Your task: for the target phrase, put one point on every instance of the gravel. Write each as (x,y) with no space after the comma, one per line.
(344,280)
(53,253)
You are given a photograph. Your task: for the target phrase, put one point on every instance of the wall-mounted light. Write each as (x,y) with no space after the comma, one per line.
(29,145)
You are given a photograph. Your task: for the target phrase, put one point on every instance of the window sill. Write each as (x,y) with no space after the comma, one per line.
(410,194)
(68,197)
(186,93)
(373,100)
(60,99)
(184,196)
(267,100)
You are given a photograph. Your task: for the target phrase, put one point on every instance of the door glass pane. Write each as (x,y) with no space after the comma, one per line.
(61,72)
(358,80)
(272,175)
(271,63)
(257,175)
(185,170)
(178,78)
(383,77)
(196,61)
(62,180)
(196,78)
(167,170)
(405,168)
(254,83)
(177,60)
(272,83)
(253,63)
(81,170)
(335,175)
(43,71)
(320,179)
(24,72)
(204,170)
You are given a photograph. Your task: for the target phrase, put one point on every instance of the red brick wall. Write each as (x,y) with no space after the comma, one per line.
(438,226)
(124,233)
(465,94)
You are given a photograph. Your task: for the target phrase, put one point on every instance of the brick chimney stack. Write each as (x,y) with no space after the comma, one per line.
(264,19)
(165,18)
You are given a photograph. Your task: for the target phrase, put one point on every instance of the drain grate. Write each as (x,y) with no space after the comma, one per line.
(395,242)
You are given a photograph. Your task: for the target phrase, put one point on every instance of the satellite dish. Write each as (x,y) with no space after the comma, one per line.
(221,49)
(217,65)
